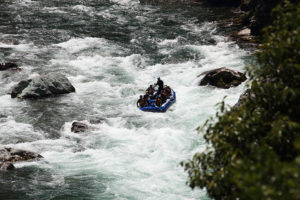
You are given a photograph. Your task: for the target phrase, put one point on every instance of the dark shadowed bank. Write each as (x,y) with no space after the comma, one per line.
(245,22)
(254,149)
(254,14)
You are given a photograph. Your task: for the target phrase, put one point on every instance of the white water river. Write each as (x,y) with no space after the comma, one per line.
(110,51)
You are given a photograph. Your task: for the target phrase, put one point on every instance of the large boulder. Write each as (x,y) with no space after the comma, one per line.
(43,86)
(5,66)
(222,78)
(15,155)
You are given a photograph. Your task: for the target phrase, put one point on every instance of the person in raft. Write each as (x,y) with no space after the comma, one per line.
(150,91)
(158,101)
(167,91)
(160,84)
(142,102)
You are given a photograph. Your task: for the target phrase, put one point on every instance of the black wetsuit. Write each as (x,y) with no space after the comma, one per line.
(160,84)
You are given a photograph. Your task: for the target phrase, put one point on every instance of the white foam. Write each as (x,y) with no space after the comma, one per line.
(82,8)
(194,28)
(78,44)
(220,55)
(11,131)
(126,2)
(19,47)
(54,10)
(168,42)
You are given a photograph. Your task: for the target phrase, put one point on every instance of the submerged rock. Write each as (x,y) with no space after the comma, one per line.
(15,155)
(79,127)
(222,78)
(43,86)
(97,120)
(9,42)
(6,66)
(6,166)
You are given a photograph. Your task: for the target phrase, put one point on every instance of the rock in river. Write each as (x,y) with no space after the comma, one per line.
(43,86)
(223,78)
(79,127)
(8,156)
(6,66)
(15,155)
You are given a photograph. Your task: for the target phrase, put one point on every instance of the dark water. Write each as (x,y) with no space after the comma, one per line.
(110,51)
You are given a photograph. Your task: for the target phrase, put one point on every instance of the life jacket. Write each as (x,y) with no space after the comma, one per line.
(158,102)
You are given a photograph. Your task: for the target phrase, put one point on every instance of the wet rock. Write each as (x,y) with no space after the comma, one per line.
(245,41)
(244,32)
(15,155)
(6,66)
(248,93)
(222,78)
(244,35)
(79,127)
(43,86)
(6,166)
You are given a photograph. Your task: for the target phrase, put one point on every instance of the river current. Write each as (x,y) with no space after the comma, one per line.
(111,51)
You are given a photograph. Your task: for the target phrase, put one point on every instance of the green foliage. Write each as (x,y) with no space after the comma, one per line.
(254,150)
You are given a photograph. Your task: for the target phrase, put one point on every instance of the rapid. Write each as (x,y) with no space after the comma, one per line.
(111,51)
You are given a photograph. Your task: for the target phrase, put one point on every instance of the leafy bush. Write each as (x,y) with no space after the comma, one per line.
(254,150)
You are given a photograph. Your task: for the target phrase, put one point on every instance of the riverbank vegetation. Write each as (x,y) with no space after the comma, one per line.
(254,149)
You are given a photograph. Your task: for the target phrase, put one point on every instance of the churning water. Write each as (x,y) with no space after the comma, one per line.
(111,51)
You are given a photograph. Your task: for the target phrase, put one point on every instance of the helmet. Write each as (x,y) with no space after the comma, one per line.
(158,77)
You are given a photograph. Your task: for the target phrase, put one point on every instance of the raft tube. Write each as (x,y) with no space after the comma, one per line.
(163,108)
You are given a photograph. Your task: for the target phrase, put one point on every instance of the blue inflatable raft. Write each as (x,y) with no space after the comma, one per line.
(153,108)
